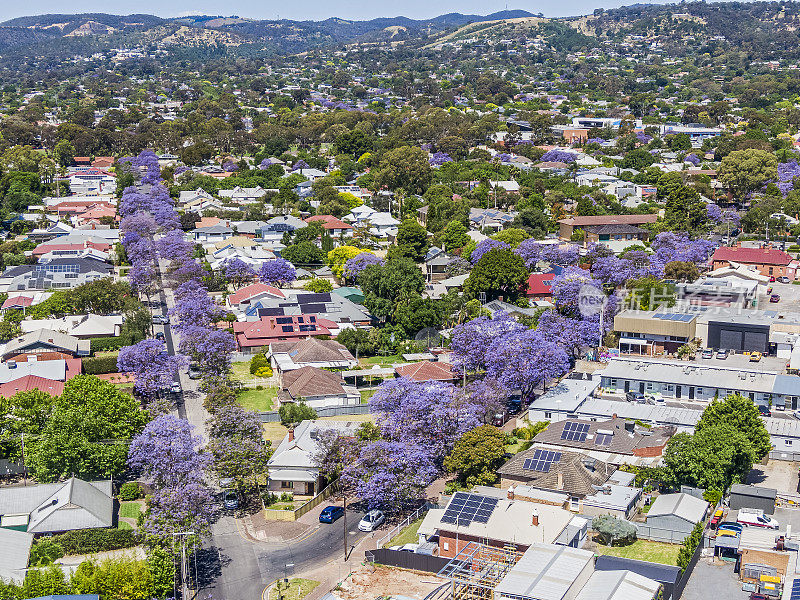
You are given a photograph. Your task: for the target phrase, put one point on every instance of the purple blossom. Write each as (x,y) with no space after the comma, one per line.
(150,363)
(174,246)
(643,137)
(599,141)
(670,246)
(558,156)
(354,266)
(714,212)
(503,157)
(470,341)
(567,285)
(183,507)
(525,360)
(300,164)
(211,348)
(180,169)
(237,271)
(692,159)
(230,167)
(277,271)
(787,173)
(439,158)
(485,246)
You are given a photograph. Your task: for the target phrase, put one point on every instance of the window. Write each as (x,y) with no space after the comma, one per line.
(548,415)
(446,545)
(287,484)
(613,383)
(788,442)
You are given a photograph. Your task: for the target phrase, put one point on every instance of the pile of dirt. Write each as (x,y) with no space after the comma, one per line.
(368,582)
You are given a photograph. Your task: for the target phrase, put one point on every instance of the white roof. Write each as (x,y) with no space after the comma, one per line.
(298,454)
(681,505)
(566,395)
(618,585)
(545,571)
(15,546)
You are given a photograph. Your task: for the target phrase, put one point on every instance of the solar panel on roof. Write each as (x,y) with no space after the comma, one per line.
(603,439)
(287,328)
(465,508)
(574,431)
(283,320)
(541,461)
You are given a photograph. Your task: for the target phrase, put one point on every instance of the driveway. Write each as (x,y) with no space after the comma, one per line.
(780,475)
(714,580)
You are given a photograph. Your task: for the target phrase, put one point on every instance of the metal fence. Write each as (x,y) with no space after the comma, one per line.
(659,534)
(403,524)
(784,455)
(406,560)
(328,411)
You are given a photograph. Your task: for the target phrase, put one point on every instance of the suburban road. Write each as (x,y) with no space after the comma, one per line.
(232,566)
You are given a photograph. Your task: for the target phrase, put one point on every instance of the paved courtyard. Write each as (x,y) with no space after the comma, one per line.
(716,576)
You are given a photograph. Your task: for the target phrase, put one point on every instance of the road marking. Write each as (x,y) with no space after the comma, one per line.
(265,593)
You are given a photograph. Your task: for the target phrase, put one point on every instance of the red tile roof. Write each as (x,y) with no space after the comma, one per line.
(18,302)
(46,247)
(252,334)
(31,382)
(329,222)
(539,284)
(609,220)
(426,371)
(752,256)
(254,289)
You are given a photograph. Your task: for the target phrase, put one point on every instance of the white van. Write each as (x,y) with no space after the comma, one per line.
(755,517)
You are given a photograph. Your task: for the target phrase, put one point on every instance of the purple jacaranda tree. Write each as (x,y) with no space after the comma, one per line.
(167,453)
(670,246)
(238,272)
(153,367)
(390,475)
(277,271)
(437,159)
(484,246)
(611,270)
(599,141)
(503,157)
(143,279)
(133,201)
(643,138)
(184,507)
(486,396)
(470,341)
(526,360)
(354,266)
(230,167)
(534,252)
(427,414)
(566,288)
(558,156)
(181,271)
(692,159)
(210,348)
(266,164)
(788,172)
(232,420)
(180,170)
(714,212)
(196,310)
(142,224)
(300,164)
(174,246)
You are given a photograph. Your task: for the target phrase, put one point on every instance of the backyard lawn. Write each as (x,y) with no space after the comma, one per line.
(366,395)
(130,509)
(297,589)
(383,361)
(407,536)
(258,400)
(665,554)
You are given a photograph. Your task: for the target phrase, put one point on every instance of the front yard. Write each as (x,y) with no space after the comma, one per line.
(657,552)
(262,400)
(407,536)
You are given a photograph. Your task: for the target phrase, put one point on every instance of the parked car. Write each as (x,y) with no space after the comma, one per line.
(730,526)
(230,499)
(194,372)
(775,298)
(372,520)
(784,279)
(722,354)
(719,514)
(176,387)
(405,548)
(796,414)
(764,410)
(772,279)
(708,353)
(753,517)
(330,513)
(755,356)
(160,319)
(769,290)
(159,336)
(635,397)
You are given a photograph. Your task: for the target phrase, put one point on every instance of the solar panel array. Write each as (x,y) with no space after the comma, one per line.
(674,317)
(795,590)
(541,461)
(575,432)
(465,508)
(603,439)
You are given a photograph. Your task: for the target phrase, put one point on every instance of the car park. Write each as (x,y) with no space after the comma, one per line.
(371,521)
(330,513)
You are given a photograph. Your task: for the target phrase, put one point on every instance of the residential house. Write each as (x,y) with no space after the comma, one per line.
(325,305)
(616,236)
(53,344)
(677,512)
(47,368)
(239,247)
(382,224)
(765,562)
(244,195)
(15,549)
(427,370)
(494,522)
(317,387)
(565,472)
(336,228)
(249,294)
(17,301)
(562,399)
(31,382)
(281,224)
(436,262)
(212,234)
(254,337)
(80,326)
(771,262)
(57,507)
(540,286)
(54,273)
(568,226)
(311,352)
(490,218)
(618,497)
(728,292)
(293,466)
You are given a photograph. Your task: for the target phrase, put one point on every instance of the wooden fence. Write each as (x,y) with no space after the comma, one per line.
(274,514)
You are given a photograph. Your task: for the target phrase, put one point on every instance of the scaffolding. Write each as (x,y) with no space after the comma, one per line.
(476,569)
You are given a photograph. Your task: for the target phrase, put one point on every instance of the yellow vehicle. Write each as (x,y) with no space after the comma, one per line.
(755,356)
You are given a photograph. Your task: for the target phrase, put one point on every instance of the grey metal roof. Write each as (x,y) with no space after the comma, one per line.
(654,571)
(56,339)
(15,546)
(545,571)
(661,415)
(619,497)
(752,490)
(618,585)
(566,395)
(786,385)
(681,505)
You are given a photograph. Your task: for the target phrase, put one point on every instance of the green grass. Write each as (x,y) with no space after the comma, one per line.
(241,371)
(258,400)
(131,510)
(407,536)
(383,361)
(520,446)
(297,589)
(665,554)
(366,395)
(124,525)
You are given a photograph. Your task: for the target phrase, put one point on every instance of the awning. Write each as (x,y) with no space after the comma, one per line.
(727,541)
(292,475)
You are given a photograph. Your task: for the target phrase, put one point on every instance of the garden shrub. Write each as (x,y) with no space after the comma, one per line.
(90,541)
(257,362)
(99,365)
(130,491)
(44,552)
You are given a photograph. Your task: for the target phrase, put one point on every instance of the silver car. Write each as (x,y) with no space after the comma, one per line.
(372,520)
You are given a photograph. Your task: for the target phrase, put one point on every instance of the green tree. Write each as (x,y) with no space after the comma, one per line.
(412,237)
(685,211)
(511,236)
(304,254)
(339,256)
(499,272)
(649,293)
(679,270)
(741,414)
(318,285)
(614,531)
(294,413)
(477,455)
(405,168)
(384,285)
(64,153)
(454,236)
(86,433)
(745,171)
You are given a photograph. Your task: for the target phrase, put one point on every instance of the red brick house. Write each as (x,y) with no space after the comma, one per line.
(769,261)
(256,336)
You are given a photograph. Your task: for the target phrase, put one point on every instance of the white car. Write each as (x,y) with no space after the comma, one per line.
(405,548)
(371,521)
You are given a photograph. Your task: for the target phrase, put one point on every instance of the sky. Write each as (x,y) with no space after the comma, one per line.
(309,9)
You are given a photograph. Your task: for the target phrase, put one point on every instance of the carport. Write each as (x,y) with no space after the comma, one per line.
(726,547)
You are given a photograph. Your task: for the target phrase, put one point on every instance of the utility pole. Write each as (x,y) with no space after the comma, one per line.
(184,564)
(344,524)
(24,466)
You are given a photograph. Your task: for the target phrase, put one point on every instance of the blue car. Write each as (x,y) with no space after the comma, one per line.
(330,513)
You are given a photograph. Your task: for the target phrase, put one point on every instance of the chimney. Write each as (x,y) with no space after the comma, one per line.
(560,484)
(535,518)
(614,416)
(291,434)
(510,494)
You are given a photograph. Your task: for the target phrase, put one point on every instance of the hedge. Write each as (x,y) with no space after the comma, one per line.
(89,541)
(98,365)
(108,343)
